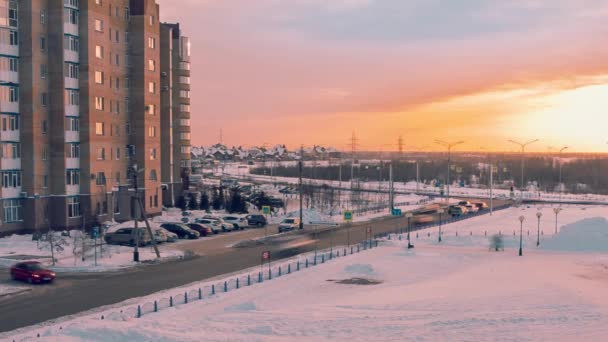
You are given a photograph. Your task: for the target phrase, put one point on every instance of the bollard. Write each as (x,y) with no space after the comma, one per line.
(170,301)
(260,277)
(331,255)
(429,234)
(513,233)
(351,250)
(416,235)
(213,289)
(389,236)
(298,265)
(485,233)
(528,233)
(306,263)
(280,271)
(249,280)
(288,268)
(376,243)
(200,293)
(269,274)
(185,297)
(225,286)
(456,233)
(138,311)
(344,253)
(155,306)
(322,258)
(358,249)
(237,283)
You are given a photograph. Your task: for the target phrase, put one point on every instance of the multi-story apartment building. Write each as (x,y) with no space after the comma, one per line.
(80,105)
(175,99)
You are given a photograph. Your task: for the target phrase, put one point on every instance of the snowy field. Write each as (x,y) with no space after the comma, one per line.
(454,291)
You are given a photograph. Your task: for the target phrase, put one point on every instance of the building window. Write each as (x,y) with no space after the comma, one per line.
(11,150)
(184,65)
(184,107)
(118,153)
(71,16)
(73,207)
(184,94)
(99,51)
(11,179)
(44,98)
(184,136)
(151,42)
(43,17)
(45,181)
(153,176)
(45,152)
(99,77)
(13,64)
(73,124)
(117,83)
(72,177)
(73,97)
(152,131)
(152,154)
(184,79)
(43,71)
(152,87)
(117,178)
(101,153)
(100,103)
(127,128)
(71,43)
(13,94)
(127,83)
(98,25)
(13,38)
(100,179)
(151,65)
(72,70)
(98,2)
(152,20)
(117,59)
(127,13)
(99,128)
(44,127)
(185,149)
(12,210)
(43,44)
(151,109)
(74,151)
(184,122)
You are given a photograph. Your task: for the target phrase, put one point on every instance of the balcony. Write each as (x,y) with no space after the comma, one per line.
(72,110)
(10,163)
(9,76)
(72,163)
(70,28)
(71,83)
(9,136)
(9,107)
(72,136)
(11,192)
(71,56)
(71,190)
(9,50)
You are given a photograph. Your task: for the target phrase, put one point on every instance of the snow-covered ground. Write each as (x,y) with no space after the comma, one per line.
(454,291)
(16,248)
(9,289)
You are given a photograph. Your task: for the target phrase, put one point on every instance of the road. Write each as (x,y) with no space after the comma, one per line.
(71,294)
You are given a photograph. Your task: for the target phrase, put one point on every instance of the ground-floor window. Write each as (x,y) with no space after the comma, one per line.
(12,210)
(73,207)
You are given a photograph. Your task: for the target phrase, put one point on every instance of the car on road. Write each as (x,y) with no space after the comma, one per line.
(127,236)
(256,220)
(457,210)
(237,222)
(32,272)
(214,224)
(420,219)
(182,231)
(481,205)
(200,228)
(289,224)
(471,208)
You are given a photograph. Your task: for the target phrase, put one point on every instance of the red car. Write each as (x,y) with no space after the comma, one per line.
(32,272)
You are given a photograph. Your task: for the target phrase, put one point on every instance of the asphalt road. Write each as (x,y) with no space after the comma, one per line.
(71,294)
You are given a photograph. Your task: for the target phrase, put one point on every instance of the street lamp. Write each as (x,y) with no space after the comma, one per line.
(449,146)
(523,150)
(409,228)
(560,173)
(521,235)
(556,211)
(440,212)
(538,215)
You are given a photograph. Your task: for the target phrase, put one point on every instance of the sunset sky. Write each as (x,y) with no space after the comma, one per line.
(313,71)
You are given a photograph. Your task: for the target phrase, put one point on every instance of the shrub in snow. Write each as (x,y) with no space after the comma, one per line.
(497,243)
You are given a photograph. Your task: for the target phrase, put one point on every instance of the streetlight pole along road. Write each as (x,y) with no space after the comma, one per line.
(561,187)
(538,215)
(521,235)
(449,146)
(523,151)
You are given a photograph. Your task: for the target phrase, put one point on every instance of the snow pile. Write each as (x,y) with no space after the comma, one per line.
(10,289)
(588,235)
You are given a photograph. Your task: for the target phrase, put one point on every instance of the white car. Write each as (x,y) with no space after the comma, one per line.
(217,222)
(237,222)
(471,208)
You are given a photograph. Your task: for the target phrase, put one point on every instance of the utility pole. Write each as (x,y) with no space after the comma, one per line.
(391,198)
(301,167)
(353,148)
(400,146)
(139,211)
(449,146)
(523,151)
(561,187)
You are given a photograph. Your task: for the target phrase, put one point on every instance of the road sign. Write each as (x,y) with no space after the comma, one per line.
(266,255)
(348,215)
(266,210)
(396,212)
(95,232)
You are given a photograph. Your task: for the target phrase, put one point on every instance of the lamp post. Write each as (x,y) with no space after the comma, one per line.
(449,146)
(409,228)
(521,235)
(538,215)
(561,188)
(440,212)
(523,151)
(556,211)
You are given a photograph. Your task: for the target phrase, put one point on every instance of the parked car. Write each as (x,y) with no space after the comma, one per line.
(481,205)
(464,203)
(472,208)
(289,224)
(256,220)
(171,237)
(226,227)
(126,236)
(201,229)
(182,231)
(160,236)
(32,272)
(457,210)
(237,222)
(214,224)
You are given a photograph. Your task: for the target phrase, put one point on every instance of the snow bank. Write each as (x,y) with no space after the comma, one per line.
(588,235)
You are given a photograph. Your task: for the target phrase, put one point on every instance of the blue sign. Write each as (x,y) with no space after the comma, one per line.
(462,184)
(95,232)
(396,212)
